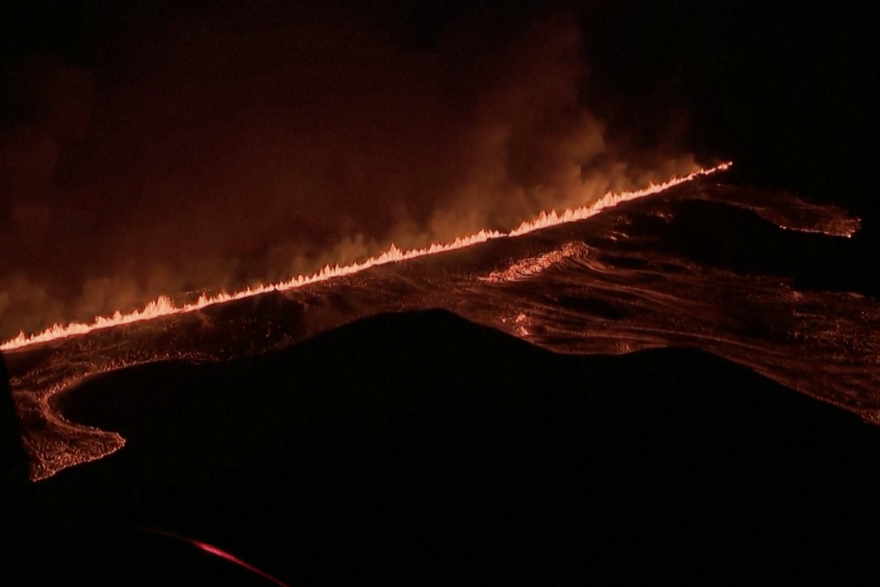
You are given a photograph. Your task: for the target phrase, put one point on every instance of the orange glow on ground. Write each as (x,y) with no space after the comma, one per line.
(163,306)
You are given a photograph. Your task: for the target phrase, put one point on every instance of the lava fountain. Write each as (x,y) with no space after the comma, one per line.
(164,306)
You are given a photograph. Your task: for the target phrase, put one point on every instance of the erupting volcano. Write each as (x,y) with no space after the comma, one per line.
(434,293)
(163,306)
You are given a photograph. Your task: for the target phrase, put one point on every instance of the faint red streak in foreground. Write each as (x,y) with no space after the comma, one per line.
(217,552)
(163,306)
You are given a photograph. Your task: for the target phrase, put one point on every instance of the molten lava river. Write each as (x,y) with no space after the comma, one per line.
(646,272)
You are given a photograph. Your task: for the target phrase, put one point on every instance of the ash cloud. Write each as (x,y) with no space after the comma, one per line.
(197,152)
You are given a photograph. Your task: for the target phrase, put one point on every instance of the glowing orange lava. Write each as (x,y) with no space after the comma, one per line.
(163,306)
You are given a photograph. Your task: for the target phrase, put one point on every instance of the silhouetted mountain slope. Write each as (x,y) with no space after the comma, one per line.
(422,449)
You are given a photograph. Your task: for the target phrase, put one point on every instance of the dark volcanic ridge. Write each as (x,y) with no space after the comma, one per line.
(762,279)
(420,448)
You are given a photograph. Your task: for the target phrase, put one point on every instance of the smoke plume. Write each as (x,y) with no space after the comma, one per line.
(211,153)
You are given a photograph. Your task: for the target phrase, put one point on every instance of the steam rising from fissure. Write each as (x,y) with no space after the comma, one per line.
(164,306)
(202,160)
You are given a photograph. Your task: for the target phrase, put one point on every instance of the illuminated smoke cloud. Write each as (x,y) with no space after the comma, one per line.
(218,153)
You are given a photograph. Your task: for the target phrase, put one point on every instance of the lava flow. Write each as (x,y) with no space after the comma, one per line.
(164,306)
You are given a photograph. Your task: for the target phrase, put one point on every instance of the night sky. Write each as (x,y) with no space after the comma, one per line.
(148,148)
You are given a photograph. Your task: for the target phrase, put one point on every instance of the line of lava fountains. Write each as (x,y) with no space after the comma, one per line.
(163,306)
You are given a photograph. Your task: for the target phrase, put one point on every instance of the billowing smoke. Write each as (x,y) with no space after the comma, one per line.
(214,153)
